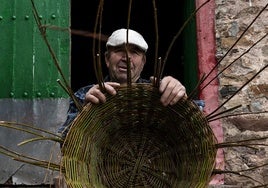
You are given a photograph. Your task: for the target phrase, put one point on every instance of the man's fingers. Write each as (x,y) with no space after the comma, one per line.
(172,91)
(95,95)
(110,87)
(177,96)
(168,93)
(164,83)
(91,98)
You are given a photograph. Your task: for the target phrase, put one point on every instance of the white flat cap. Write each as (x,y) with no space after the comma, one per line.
(119,37)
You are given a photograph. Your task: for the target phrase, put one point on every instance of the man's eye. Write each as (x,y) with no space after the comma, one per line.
(135,52)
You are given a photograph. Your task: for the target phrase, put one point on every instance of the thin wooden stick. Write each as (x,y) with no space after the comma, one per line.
(55,60)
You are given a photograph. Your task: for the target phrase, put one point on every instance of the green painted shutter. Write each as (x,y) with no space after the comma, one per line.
(27,69)
(190,48)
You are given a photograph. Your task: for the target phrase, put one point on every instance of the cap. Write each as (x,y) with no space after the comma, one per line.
(119,37)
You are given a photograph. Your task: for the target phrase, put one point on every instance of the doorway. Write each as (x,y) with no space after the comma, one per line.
(171,16)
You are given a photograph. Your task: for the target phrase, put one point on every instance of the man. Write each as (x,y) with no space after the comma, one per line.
(120,44)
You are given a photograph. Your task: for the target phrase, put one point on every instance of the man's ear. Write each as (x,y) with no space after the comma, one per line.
(106,59)
(144,59)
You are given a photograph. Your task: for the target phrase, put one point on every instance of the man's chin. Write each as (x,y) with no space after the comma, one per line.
(122,78)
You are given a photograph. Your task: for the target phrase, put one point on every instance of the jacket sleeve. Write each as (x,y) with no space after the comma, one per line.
(73,110)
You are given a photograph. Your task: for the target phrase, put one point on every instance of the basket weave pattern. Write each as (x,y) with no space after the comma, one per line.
(134,141)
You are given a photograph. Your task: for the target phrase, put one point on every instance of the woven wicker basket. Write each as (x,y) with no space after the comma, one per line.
(134,141)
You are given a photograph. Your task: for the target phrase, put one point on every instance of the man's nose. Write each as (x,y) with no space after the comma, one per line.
(124,56)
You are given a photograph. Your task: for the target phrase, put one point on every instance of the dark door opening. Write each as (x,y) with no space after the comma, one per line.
(170,19)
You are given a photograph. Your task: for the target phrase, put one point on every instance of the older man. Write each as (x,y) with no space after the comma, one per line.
(123,46)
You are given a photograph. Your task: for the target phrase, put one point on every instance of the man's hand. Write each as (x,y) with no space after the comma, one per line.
(170,88)
(172,91)
(94,94)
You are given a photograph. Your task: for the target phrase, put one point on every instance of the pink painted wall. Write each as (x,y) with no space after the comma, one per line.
(206,46)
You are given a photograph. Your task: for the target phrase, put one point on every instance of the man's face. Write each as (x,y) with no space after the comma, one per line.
(116,61)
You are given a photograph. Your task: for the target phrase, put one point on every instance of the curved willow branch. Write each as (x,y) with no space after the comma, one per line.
(29,160)
(33,131)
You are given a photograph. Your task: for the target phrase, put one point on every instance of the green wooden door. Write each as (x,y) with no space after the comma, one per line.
(190,48)
(26,67)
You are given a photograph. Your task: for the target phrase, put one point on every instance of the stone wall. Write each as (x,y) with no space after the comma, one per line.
(232,19)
